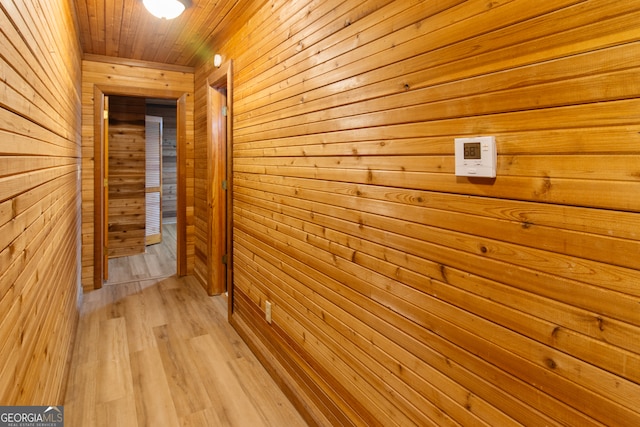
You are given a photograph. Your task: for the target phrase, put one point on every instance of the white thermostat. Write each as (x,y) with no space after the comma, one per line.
(476,156)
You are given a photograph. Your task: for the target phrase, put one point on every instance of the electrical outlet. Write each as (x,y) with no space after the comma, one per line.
(267,311)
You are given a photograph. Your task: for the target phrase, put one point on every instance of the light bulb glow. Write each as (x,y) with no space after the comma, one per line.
(167,9)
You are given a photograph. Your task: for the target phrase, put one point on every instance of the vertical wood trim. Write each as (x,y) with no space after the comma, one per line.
(105,190)
(229,192)
(181,165)
(98,187)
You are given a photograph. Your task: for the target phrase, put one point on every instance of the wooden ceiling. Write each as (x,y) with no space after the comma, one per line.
(124,29)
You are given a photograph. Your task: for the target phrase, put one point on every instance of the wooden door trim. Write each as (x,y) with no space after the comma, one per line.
(99,91)
(98,187)
(223,78)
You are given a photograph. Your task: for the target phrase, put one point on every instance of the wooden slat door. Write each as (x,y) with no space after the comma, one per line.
(126,167)
(153,189)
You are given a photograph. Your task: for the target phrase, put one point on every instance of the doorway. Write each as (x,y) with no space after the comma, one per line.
(219,276)
(101,161)
(141,173)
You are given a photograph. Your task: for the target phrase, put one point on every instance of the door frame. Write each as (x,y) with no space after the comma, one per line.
(99,92)
(219,168)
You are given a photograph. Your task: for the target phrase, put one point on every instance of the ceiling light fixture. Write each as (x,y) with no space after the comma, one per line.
(167,9)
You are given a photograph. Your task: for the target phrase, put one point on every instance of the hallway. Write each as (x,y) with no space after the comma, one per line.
(160,352)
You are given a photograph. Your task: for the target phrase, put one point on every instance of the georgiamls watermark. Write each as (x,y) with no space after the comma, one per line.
(31,416)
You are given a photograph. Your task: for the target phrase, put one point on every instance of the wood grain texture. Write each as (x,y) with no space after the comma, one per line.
(135,78)
(39,199)
(126,176)
(400,293)
(124,28)
(167,356)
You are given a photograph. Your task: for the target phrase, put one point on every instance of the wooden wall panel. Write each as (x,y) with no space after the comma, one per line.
(133,78)
(39,199)
(402,294)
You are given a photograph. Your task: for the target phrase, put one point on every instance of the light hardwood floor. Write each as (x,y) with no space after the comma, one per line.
(160,352)
(158,261)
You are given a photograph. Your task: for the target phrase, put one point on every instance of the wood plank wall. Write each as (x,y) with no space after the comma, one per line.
(169,158)
(39,199)
(127,167)
(403,295)
(125,77)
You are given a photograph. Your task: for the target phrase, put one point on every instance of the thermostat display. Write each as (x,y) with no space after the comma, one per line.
(476,156)
(472,150)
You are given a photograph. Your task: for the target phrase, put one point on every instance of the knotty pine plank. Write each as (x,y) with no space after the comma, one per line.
(593,194)
(65,65)
(398,45)
(11,186)
(577,219)
(555,119)
(24,249)
(314,44)
(604,166)
(582,244)
(303,27)
(300,325)
(248,321)
(26,34)
(43,376)
(406,311)
(351,336)
(406,336)
(30,309)
(420,81)
(18,164)
(560,141)
(479,96)
(113,27)
(607,303)
(260,278)
(23,215)
(144,79)
(394,16)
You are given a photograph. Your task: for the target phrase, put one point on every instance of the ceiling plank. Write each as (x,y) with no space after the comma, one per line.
(124,29)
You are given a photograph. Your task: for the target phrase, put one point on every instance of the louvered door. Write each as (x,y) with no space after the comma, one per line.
(153,187)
